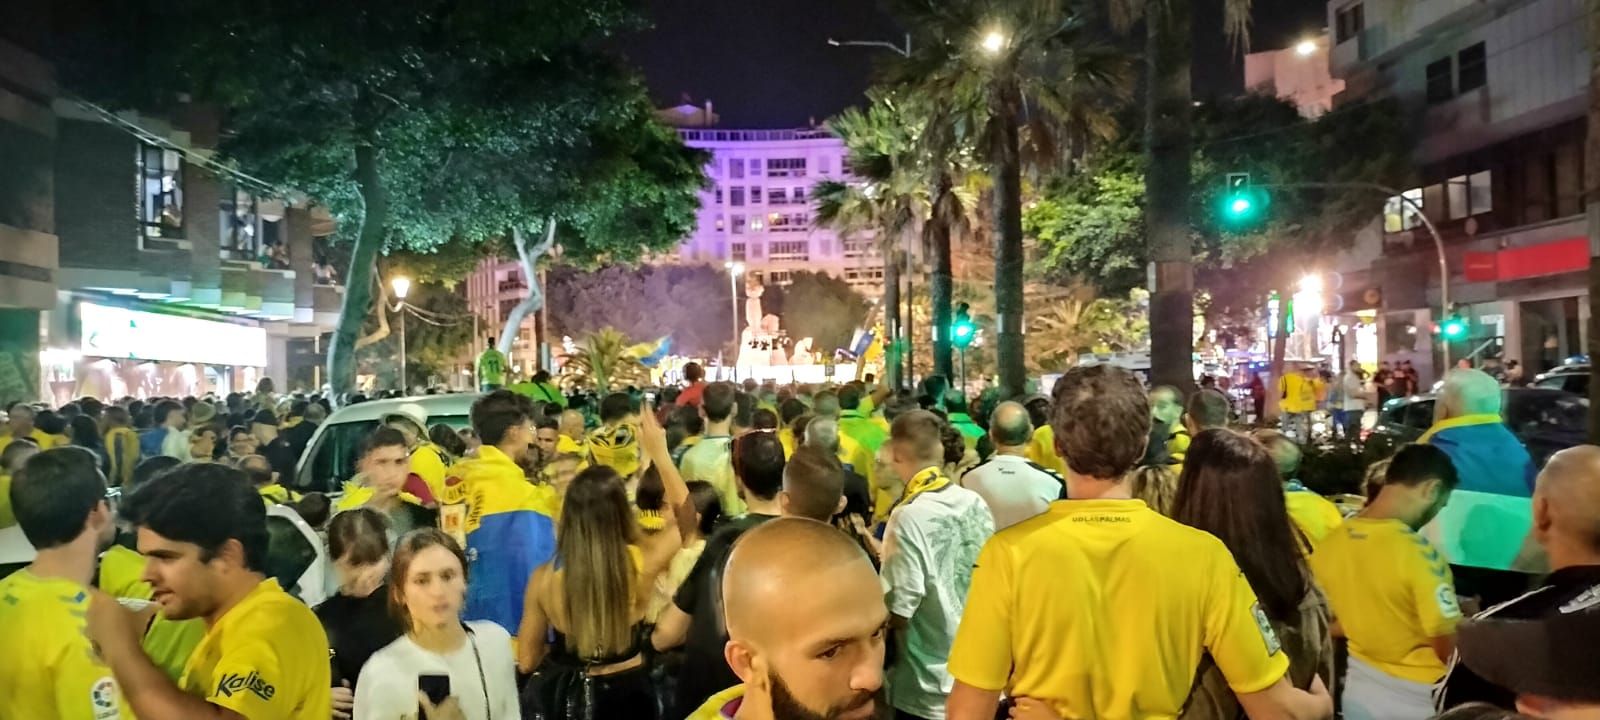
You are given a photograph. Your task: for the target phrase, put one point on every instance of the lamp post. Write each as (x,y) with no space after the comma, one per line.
(734,270)
(401,285)
(904,52)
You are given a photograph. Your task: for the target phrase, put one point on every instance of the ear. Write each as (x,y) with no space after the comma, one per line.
(840,507)
(1542,519)
(232,552)
(743,661)
(783,501)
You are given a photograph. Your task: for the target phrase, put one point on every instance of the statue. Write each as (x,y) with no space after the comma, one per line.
(762,341)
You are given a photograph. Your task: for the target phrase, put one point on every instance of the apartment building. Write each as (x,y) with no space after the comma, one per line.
(1498,89)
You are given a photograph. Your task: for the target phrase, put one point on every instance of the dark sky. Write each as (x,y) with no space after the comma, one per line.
(768,64)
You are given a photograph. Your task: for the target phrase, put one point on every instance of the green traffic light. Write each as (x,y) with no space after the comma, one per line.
(1239,205)
(1454,328)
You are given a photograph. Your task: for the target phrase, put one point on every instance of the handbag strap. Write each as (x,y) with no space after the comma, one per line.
(483,681)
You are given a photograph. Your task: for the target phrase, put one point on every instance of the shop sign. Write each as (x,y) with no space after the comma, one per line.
(121,333)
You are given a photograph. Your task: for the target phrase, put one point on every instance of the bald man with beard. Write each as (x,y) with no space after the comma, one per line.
(1566,525)
(806,629)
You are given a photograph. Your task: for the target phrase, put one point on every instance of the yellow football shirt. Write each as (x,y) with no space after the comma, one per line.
(266,659)
(1315,515)
(1391,591)
(168,642)
(1104,608)
(429,465)
(44,440)
(1042,450)
(49,669)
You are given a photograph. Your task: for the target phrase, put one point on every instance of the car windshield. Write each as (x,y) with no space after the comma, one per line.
(1548,411)
(334,458)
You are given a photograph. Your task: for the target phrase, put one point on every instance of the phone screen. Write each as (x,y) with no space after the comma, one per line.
(436,687)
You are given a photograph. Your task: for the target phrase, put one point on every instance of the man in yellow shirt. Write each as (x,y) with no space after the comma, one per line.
(711,459)
(1313,514)
(856,423)
(813,654)
(1391,591)
(1100,607)
(1298,391)
(49,669)
(19,423)
(264,656)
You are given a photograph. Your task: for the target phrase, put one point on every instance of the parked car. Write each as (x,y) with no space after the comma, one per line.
(1575,380)
(330,457)
(1544,419)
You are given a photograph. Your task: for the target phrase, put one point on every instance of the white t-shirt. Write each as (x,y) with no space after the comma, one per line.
(1354,393)
(1014,488)
(387,688)
(929,548)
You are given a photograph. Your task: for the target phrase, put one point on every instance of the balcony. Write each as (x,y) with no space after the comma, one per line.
(513,285)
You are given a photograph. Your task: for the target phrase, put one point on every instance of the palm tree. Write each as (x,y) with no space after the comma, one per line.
(606,361)
(1168,101)
(993,66)
(888,196)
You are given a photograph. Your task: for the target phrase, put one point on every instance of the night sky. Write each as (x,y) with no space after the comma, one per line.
(767,64)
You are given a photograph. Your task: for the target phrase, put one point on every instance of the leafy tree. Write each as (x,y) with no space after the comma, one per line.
(819,306)
(437,327)
(420,121)
(606,360)
(1081,321)
(688,303)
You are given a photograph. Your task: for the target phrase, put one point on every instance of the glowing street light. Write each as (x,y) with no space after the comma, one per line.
(993,42)
(401,285)
(1306,47)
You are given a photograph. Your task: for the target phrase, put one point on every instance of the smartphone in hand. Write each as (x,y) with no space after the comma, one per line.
(436,687)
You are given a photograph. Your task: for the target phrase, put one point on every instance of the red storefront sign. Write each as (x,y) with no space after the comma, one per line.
(1551,258)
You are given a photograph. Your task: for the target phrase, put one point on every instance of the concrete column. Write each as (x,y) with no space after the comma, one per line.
(278,360)
(297,226)
(19,355)
(202,226)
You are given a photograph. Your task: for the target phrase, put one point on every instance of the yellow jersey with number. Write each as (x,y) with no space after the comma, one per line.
(266,659)
(1104,608)
(49,669)
(1391,591)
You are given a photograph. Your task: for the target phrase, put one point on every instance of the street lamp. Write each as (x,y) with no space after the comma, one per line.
(993,42)
(401,285)
(904,52)
(734,270)
(1305,47)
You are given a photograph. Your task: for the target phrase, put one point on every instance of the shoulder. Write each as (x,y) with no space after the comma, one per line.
(488,632)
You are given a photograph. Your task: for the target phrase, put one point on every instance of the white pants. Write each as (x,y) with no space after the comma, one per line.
(1372,694)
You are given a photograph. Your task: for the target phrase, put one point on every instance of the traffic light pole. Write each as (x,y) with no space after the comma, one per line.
(1438,242)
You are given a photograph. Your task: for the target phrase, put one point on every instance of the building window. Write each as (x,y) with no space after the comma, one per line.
(1399,216)
(736,251)
(798,196)
(1349,21)
(719,195)
(1468,195)
(874,274)
(160,192)
(857,248)
(787,167)
(738,224)
(735,169)
(721,223)
(779,277)
(789,222)
(1472,68)
(714,168)
(1440,85)
(757,224)
(240,226)
(824,165)
(755,195)
(776,196)
(736,196)
(790,251)
(755,167)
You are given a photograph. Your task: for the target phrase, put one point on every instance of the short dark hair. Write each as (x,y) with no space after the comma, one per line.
(359,536)
(1416,464)
(758,463)
(955,402)
(814,481)
(718,401)
(749,385)
(546,422)
(164,410)
(541,377)
(496,413)
(1209,409)
(206,504)
(744,410)
(54,493)
(381,437)
(236,431)
(922,431)
(615,406)
(17,446)
(448,439)
(259,473)
(764,419)
(1101,420)
(298,408)
(790,409)
(688,417)
(850,396)
(899,405)
(692,372)
(147,469)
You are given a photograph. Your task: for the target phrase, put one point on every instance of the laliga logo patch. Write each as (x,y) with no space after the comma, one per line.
(1446,595)
(103,699)
(1265,626)
(233,683)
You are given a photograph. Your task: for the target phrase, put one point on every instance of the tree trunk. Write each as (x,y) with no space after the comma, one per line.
(941,284)
(358,284)
(1167,189)
(1280,349)
(382,307)
(528,258)
(1008,256)
(1591,150)
(891,315)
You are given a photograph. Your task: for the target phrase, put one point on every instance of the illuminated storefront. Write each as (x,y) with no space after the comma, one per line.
(122,351)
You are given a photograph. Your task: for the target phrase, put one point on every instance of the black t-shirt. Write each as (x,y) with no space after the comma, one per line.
(357,628)
(1573,586)
(705,670)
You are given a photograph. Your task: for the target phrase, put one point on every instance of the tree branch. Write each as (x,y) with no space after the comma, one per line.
(528,257)
(381,307)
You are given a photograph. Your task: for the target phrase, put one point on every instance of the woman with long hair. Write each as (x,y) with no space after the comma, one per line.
(1230,488)
(583,621)
(357,618)
(85,433)
(464,668)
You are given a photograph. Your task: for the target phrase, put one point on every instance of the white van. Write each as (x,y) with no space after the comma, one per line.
(330,457)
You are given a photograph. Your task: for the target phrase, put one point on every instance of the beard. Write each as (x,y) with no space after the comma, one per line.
(785,706)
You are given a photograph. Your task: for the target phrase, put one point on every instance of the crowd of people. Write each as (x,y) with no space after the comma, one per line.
(755,552)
